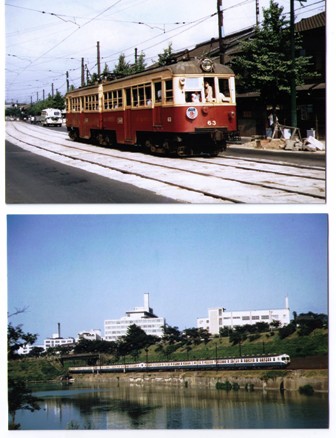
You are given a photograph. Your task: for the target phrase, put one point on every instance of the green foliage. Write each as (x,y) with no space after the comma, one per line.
(124,68)
(264,62)
(17,338)
(306,389)
(19,397)
(166,55)
(227,386)
(57,101)
(287,330)
(273,374)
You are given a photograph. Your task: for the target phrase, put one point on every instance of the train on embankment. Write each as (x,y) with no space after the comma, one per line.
(232,363)
(181,109)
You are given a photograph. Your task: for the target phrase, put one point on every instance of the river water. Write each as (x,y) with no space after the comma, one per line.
(107,406)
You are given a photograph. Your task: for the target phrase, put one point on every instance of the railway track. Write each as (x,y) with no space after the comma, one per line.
(224,179)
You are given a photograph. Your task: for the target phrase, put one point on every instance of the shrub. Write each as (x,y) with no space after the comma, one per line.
(306,389)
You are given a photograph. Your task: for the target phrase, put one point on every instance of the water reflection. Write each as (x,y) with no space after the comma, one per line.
(107,406)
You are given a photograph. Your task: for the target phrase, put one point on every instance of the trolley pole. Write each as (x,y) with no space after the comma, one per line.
(220,33)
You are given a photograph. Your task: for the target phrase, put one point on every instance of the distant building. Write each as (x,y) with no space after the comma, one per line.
(143,317)
(90,335)
(57,341)
(218,317)
(26,349)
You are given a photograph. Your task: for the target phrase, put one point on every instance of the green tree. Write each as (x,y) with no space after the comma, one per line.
(140,64)
(19,397)
(264,62)
(17,338)
(122,68)
(166,55)
(135,340)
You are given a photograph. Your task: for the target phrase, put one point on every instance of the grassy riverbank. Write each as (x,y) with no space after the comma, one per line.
(312,346)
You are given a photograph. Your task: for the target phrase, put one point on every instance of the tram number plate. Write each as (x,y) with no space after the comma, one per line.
(211,122)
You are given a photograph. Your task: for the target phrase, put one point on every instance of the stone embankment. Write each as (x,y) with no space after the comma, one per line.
(289,380)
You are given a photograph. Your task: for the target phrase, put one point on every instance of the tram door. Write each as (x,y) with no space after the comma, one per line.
(157,110)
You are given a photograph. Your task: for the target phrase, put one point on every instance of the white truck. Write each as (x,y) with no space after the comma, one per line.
(51,117)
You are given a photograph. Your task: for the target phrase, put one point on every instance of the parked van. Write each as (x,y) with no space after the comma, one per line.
(51,117)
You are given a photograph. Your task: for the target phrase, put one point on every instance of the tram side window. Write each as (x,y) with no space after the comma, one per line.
(169,90)
(75,104)
(108,100)
(91,102)
(158,92)
(224,91)
(148,94)
(128,97)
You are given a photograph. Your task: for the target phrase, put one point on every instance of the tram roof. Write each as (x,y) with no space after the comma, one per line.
(188,67)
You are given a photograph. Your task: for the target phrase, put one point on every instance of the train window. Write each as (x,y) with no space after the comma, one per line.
(108,100)
(148,94)
(91,102)
(128,97)
(135,96)
(224,90)
(209,90)
(169,90)
(158,92)
(75,104)
(116,98)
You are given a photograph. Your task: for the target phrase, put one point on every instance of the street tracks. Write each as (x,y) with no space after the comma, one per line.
(224,179)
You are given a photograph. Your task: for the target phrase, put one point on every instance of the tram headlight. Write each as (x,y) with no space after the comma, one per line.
(207,65)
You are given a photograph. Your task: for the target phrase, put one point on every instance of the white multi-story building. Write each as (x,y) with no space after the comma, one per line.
(143,317)
(90,335)
(57,341)
(218,317)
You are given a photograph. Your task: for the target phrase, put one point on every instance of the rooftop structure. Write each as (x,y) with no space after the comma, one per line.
(143,317)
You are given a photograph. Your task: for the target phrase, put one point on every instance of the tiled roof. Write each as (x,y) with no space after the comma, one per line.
(312,22)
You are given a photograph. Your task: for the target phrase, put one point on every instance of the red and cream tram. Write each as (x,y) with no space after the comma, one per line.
(184,108)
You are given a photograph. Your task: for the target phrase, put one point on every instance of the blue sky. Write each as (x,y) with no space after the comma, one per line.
(44,39)
(82,269)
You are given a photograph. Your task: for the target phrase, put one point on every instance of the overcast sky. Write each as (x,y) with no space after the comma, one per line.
(82,269)
(44,39)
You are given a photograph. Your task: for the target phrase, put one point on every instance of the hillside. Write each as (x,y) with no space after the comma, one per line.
(300,348)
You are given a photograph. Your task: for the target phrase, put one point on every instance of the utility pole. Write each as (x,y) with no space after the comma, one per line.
(82,74)
(52,90)
(220,32)
(67,81)
(257,13)
(98,59)
(293,81)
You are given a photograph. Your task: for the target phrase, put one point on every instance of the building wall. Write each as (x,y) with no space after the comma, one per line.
(218,318)
(57,342)
(115,328)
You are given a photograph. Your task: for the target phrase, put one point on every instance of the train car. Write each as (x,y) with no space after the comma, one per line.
(231,363)
(186,108)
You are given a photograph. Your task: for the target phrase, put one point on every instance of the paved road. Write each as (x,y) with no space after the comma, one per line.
(33,179)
